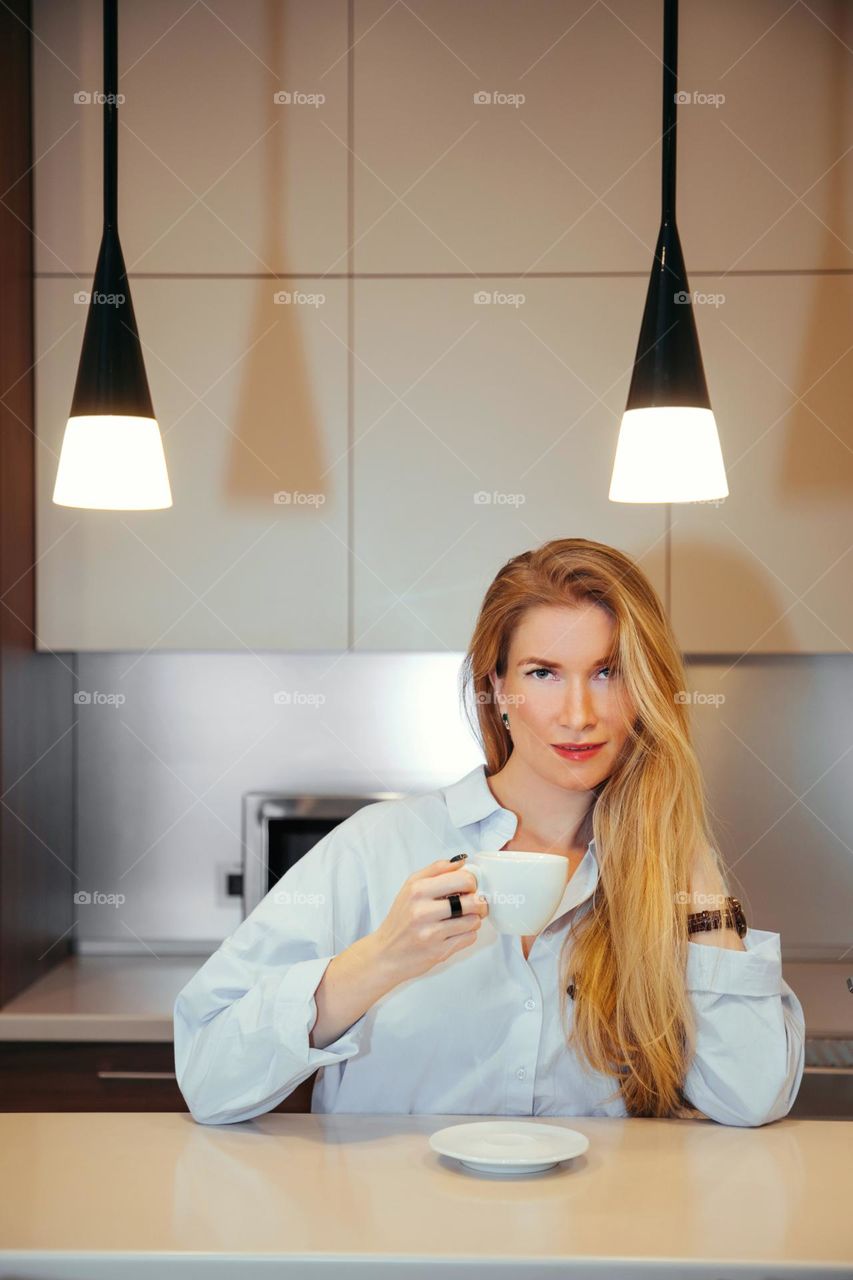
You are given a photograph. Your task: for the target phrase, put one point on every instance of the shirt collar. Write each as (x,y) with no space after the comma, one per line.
(471,800)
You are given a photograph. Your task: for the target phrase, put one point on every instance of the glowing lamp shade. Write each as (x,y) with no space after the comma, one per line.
(668,454)
(112,454)
(668,448)
(112,462)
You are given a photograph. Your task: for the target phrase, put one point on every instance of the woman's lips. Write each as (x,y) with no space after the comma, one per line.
(577,753)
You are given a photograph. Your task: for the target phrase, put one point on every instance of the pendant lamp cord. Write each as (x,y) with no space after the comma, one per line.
(670,89)
(110,113)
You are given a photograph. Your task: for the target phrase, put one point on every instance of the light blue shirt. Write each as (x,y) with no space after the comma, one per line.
(478,1034)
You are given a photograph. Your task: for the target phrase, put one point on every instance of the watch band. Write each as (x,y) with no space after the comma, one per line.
(700,921)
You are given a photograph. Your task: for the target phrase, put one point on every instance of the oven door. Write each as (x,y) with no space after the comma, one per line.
(278,829)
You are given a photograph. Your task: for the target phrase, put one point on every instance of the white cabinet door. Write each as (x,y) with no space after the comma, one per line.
(482,429)
(769,569)
(215,174)
(250,394)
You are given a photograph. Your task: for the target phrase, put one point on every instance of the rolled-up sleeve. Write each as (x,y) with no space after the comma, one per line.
(242,1022)
(750,1032)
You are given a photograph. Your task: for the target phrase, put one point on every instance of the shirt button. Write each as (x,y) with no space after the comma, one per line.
(530,1004)
(521,1073)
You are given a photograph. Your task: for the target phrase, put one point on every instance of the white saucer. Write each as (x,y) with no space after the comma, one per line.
(509,1146)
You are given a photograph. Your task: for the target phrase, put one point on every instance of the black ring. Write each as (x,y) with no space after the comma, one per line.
(455,905)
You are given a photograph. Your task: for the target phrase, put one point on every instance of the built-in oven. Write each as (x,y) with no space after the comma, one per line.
(278,829)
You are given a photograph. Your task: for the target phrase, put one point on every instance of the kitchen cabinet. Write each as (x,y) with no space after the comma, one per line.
(95,1034)
(541,152)
(250,397)
(217,176)
(456,397)
(768,569)
(232,208)
(95,1076)
(484,428)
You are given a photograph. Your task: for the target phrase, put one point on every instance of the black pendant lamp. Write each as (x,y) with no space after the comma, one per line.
(112,453)
(668,448)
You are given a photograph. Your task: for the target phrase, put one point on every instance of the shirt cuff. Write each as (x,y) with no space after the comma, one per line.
(754,972)
(296,1011)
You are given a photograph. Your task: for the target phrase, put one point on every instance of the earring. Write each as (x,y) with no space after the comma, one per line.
(505,719)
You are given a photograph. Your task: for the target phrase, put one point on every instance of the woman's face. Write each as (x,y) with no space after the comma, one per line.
(558,689)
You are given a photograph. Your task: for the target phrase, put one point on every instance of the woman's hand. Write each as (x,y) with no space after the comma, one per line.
(418,931)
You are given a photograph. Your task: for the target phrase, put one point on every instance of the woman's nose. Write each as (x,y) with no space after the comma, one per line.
(578,707)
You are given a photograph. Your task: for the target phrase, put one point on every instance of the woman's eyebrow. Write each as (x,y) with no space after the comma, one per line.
(547,662)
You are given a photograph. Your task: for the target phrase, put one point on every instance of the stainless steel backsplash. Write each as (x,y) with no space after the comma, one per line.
(168,743)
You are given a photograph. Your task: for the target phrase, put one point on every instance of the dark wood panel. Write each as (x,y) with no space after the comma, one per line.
(81,1076)
(36,688)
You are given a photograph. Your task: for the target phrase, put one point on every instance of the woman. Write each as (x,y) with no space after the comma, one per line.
(374,958)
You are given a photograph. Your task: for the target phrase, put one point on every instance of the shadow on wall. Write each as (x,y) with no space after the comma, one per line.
(275,443)
(824,379)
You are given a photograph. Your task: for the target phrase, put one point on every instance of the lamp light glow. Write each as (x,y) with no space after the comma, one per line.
(112,462)
(668,454)
(668,448)
(112,454)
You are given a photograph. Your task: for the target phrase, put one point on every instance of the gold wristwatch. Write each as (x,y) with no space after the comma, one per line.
(700,921)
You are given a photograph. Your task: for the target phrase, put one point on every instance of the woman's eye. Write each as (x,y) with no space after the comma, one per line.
(611,671)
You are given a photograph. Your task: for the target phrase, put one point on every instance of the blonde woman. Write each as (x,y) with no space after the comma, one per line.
(644,995)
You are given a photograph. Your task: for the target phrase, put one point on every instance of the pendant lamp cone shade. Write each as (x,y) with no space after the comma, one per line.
(668,448)
(112,454)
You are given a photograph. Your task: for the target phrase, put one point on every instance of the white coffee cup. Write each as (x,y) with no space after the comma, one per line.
(522,889)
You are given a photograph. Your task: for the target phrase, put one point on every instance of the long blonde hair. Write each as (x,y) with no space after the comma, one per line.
(633,1019)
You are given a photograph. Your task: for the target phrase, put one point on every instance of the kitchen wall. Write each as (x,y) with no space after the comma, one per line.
(161,775)
(379,199)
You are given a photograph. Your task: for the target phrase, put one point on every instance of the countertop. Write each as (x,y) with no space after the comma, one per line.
(122,998)
(91,1195)
(103,997)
